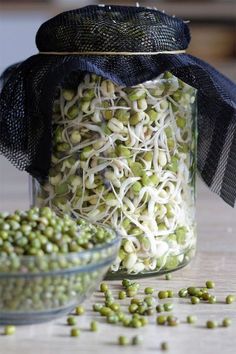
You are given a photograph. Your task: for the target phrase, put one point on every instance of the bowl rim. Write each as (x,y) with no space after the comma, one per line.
(115,241)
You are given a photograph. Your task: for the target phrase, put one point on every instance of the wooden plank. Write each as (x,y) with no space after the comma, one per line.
(54,337)
(216,235)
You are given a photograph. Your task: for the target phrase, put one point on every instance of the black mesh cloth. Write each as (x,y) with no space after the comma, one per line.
(28,88)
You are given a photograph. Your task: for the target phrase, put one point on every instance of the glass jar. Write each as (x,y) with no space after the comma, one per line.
(126,157)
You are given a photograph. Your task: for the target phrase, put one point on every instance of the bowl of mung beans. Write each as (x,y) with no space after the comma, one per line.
(49,264)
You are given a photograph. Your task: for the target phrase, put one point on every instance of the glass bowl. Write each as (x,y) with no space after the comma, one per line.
(36,289)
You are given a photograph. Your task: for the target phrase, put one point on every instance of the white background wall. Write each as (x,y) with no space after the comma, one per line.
(17,35)
(17,42)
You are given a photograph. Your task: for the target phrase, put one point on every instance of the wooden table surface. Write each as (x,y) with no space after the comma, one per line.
(216,260)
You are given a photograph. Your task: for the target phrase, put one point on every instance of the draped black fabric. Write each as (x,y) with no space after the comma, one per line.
(28,88)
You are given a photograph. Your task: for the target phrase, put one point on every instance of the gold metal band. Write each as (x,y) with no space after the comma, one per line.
(115,53)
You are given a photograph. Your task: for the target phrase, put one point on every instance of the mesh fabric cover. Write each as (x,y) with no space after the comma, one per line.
(29,87)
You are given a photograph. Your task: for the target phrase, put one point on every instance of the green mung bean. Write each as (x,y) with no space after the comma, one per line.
(170,293)
(172,321)
(229,299)
(103,287)
(163,294)
(168,276)
(122,295)
(94,326)
(75,332)
(71,321)
(226,322)
(195,300)
(210,284)
(164,346)
(161,320)
(168,306)
(191,319)
(137,340)
(160,308)
(133,308)
(211,324)
(79,310)
(148,290)
(192,291)
(183,293)
(212,299)
(123,340)
(9,330)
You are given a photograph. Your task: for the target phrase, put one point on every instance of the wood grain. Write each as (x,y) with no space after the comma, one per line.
(216,260)
(54,337)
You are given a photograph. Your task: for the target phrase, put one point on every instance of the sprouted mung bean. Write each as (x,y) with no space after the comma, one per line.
(125,157)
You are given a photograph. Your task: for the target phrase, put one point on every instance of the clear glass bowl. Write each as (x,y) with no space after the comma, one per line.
(37,289)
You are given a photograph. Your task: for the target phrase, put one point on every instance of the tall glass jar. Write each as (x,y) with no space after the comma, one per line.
(126,157)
